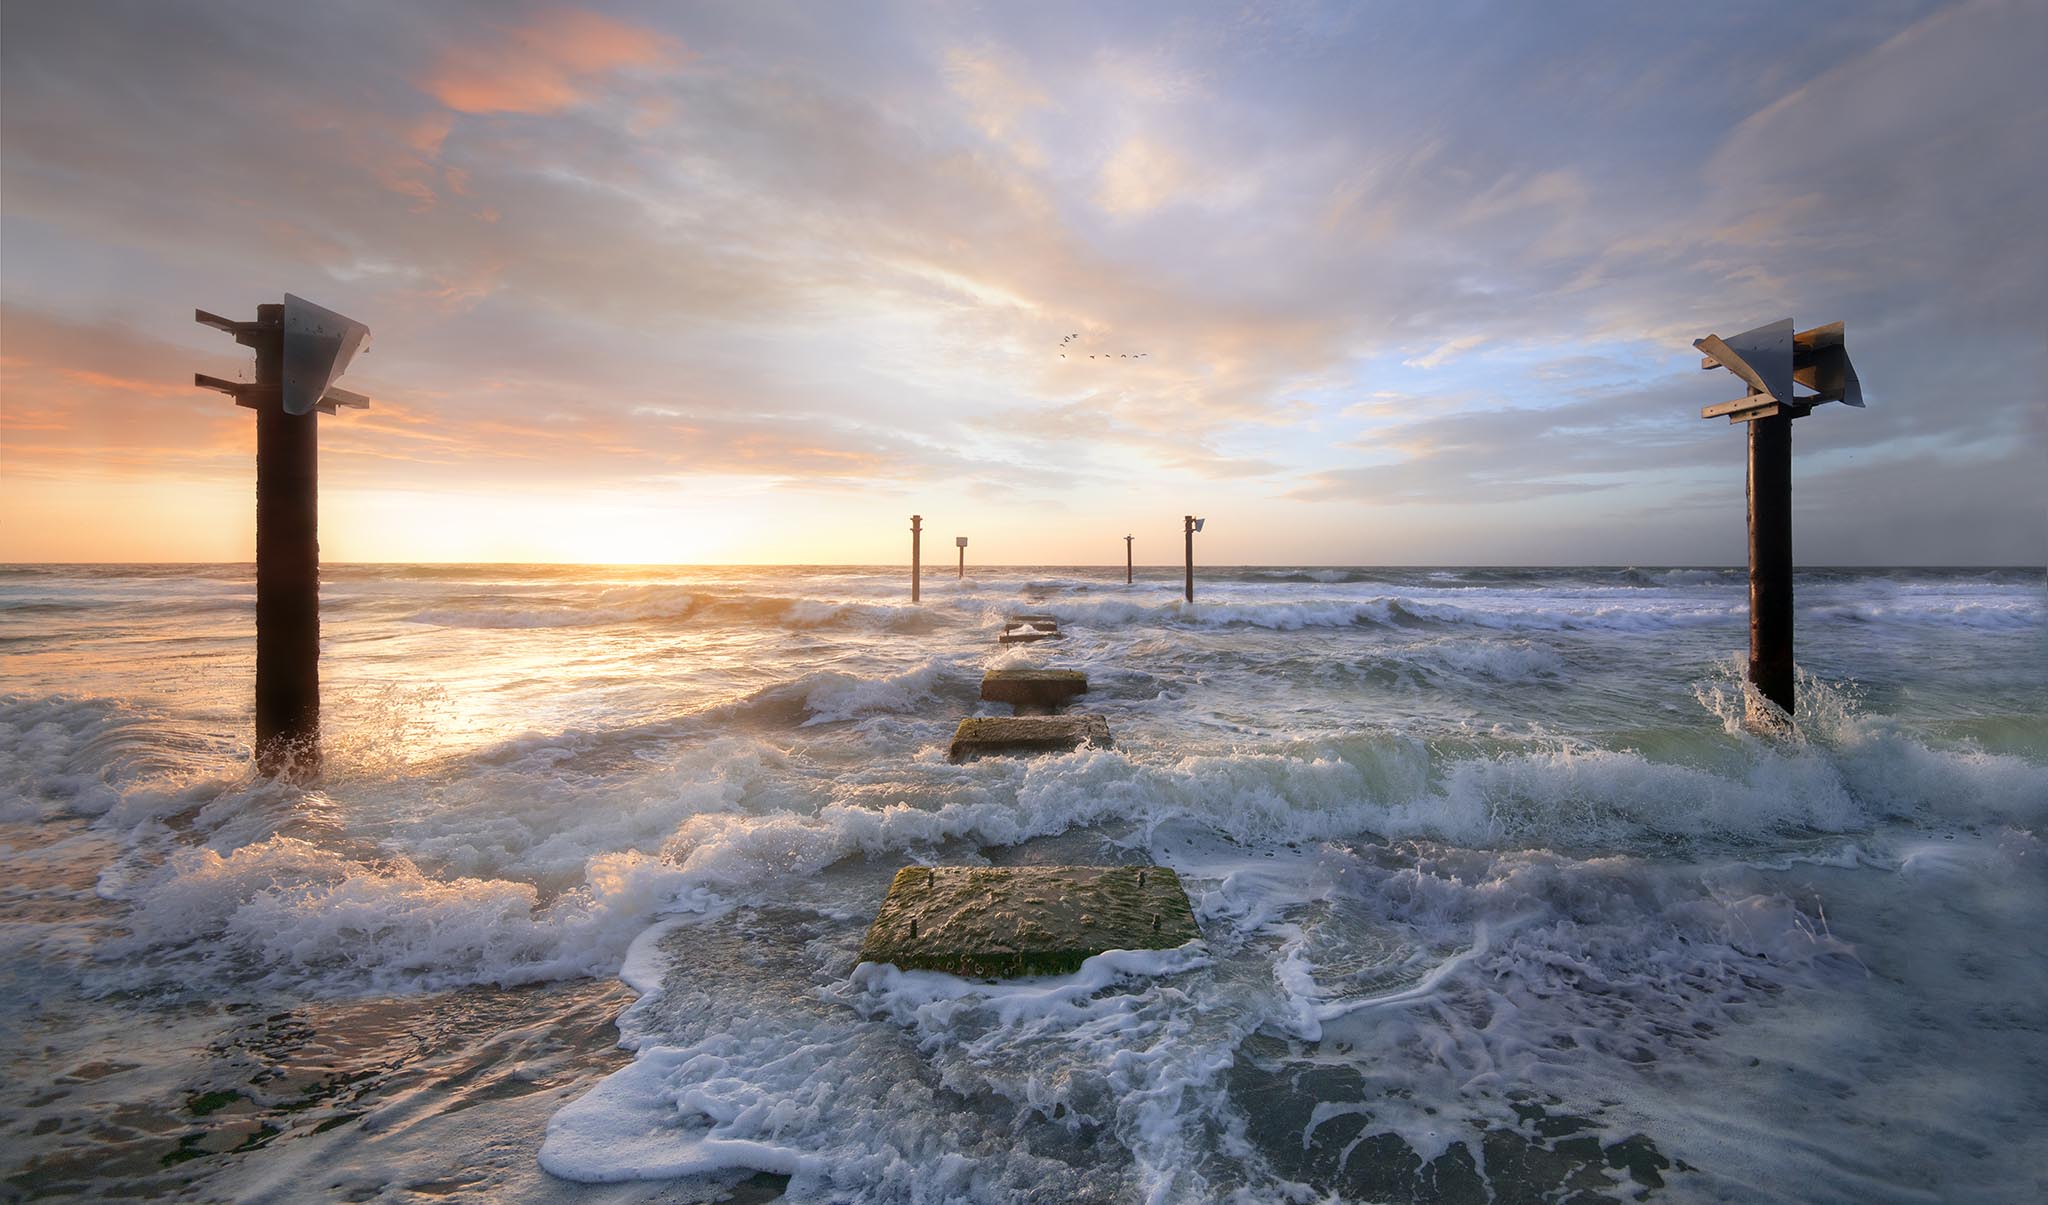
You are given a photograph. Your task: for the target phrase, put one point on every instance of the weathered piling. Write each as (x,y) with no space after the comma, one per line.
(960,542)
(300,348)
(1000,922)
(1770,559)
(1128,576)
(1771,360)
(1189,526)
(287,568)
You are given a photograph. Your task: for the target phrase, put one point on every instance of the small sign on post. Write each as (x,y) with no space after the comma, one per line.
(960,542)
(300,349)
(1772,360)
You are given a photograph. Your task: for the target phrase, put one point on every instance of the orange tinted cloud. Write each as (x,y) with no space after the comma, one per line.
(545,66)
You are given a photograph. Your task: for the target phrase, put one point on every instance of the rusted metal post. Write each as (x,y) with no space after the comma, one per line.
(1127,560)
(287,566)
(1188,528)
(1770,559)
(916,552)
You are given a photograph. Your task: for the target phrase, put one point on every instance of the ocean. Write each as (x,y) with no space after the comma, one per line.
(1499,899)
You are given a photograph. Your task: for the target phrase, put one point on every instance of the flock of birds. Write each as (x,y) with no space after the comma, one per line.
(1122,355)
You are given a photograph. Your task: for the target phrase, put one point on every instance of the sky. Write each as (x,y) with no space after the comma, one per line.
(754,282)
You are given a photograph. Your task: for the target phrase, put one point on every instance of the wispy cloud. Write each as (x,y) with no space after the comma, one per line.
(830,247)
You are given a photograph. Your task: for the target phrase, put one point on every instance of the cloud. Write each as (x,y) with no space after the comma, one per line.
(1142,175)
(846,245)
(545,65)
(1447,351)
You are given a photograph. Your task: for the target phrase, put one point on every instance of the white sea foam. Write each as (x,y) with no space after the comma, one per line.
(1471,842)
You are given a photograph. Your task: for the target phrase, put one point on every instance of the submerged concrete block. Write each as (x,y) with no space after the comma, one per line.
(1027,628)
(983,736)
(999,922)
(1033,687)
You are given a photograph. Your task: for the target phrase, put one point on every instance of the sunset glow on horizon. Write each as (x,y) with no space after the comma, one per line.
(754,284)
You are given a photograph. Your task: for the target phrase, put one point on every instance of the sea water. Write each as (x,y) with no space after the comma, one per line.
(1499,898)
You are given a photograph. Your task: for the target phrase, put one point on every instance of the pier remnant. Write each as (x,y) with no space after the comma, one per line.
(916,571)
(1024,629)
(1771,360)
(1127,559)
(1033,688)
(998,736)
(300,349)
(1000,922)
(1189,526)
(960,542)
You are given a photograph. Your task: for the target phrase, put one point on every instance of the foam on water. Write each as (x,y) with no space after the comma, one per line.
(1484,859)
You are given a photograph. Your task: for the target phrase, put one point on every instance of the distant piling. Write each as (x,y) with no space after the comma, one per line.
(916,554)
(1189,526)
(960,542)
(1128,577)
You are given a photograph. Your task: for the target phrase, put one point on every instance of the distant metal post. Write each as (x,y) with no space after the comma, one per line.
(916,551)
(960,542)
(1127,559)
(299,349)
(1772,359)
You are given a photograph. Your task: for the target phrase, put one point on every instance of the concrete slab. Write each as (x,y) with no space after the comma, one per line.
(999,922)
(1027,629)
(985,736)
(1041,620)
(1033,687)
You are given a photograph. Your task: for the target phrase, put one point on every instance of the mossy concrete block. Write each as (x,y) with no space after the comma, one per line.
(982,736)
(1000,922)
(1033,687)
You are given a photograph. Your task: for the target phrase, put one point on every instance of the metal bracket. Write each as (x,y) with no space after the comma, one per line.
(246,333)
(251,395)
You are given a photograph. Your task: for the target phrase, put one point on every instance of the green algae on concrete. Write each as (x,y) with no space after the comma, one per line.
(1033,687)
(1000,922)
(983,736)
